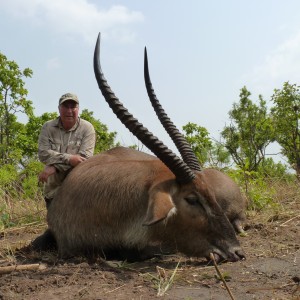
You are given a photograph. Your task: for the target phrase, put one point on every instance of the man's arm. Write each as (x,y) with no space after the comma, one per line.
(65,161)
(49,156)
(48,171)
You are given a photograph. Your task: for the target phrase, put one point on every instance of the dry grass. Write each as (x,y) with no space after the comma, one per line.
(17,211)
(286,196)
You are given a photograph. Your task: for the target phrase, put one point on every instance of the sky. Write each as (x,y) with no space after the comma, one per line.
(200,53)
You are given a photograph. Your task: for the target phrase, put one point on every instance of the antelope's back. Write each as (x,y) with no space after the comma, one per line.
(111,178)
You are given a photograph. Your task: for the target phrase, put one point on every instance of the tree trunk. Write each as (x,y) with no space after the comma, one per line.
(297,169)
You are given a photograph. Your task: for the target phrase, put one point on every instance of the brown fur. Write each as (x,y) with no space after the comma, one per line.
(229,197)
(126,199)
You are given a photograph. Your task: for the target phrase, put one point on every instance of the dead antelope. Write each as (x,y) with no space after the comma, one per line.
(133,203)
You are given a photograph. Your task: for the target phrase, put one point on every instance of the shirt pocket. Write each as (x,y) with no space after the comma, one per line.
(74,146)
(55,145)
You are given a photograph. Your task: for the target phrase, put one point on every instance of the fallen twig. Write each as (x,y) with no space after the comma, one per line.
(283,224)
(9,269)
(272,288)
(33,224)
(119,287)
(220,275)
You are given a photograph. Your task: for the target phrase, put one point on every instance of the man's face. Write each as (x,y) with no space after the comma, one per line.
(68,112)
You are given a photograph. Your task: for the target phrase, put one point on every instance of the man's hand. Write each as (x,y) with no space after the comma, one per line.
(75,160)
(48,170)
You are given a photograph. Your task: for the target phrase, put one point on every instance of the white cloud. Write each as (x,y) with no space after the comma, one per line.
(282,65)
(76,17)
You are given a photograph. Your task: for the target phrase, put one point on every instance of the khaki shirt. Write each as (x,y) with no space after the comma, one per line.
(56,145)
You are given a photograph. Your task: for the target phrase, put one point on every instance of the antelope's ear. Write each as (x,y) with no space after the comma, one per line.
(160,207)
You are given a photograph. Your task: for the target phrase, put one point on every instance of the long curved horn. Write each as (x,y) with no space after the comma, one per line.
(179,168)
(179,140)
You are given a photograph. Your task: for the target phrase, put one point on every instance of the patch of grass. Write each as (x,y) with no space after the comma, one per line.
(282,198)
(17,211)
(163,279)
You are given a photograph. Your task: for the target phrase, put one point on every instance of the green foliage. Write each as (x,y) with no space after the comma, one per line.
(8,175)
(285,116)
(30,187)
(250,132)
(12,100)
(255,188)
(5,220)
(219,156)
(257,184)
(269,169)
(28,179)
(28,141)
(260,194)
(104,138)
(209,153)
(20,184)
(198,138)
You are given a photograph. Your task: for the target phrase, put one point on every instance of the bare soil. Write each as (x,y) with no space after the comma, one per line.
(271,270)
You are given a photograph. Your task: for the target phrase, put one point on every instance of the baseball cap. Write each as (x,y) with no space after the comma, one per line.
(68,96)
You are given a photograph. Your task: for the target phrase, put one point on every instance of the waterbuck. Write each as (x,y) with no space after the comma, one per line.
(128,202)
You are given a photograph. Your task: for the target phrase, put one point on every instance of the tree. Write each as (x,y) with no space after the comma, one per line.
(197,137)
(28,141)
(208,152)
(285,116)
(104,138)
(12,101)
(249,133)
(219,156)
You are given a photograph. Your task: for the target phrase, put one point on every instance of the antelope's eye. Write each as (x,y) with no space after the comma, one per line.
(192,200)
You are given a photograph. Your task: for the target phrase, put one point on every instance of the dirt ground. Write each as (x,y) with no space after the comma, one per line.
(271,270)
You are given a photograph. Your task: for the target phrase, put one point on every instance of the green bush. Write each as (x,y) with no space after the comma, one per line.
(270,169)
(260,194)
(258,186)
(29,180)
(5,220)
